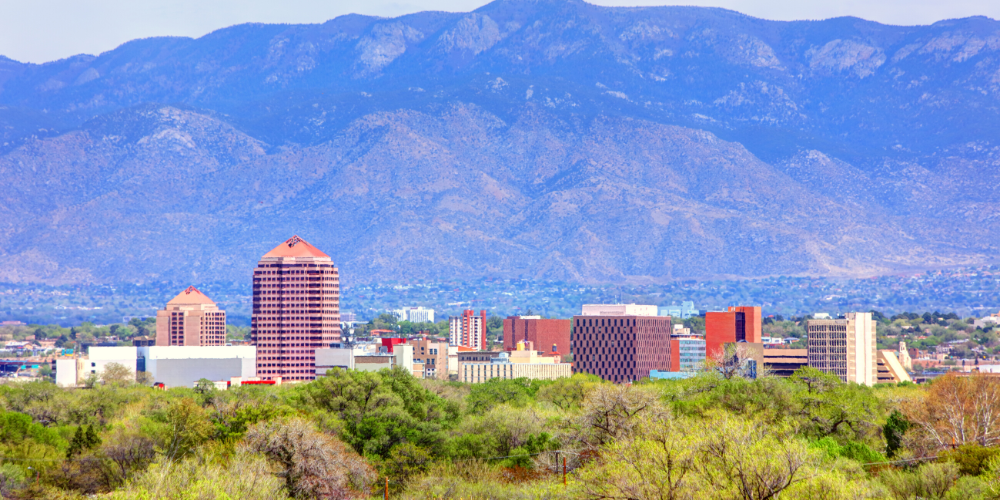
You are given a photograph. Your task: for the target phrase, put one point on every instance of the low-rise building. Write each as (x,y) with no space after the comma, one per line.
(514,364)
(784,362)
(687,353)
(890,370)
(171,366)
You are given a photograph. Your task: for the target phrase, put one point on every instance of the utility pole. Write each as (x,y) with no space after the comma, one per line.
(564,470)
(387,488)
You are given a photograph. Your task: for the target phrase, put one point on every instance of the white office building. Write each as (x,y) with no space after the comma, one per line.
(414,314)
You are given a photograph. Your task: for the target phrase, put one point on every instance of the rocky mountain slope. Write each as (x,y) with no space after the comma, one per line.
(547,139)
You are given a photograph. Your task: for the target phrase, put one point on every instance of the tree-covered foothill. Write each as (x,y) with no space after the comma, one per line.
(342,436)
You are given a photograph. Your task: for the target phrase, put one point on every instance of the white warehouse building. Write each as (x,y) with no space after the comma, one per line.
(172,366)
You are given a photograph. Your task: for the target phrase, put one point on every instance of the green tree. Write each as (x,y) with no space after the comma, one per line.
(895,426)
(380,410)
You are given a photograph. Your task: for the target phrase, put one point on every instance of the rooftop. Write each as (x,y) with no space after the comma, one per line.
(190,296)
(295,247)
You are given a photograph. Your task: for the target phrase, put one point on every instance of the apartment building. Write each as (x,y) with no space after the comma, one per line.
(468,330)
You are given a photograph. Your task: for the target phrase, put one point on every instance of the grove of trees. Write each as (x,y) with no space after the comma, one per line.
(349,434)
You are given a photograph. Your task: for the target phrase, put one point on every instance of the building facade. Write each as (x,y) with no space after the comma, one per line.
(468,330)
(414,314)
(684,311)
(520,363)
(621,348)
(783,362)
(296,310)
(191,319)
(548,335)
(433,355)
(737,324)
(687,354)
(172,366)
(844,347)
(619,310)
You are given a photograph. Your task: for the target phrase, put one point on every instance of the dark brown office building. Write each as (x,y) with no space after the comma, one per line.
(621,348)
(296,310)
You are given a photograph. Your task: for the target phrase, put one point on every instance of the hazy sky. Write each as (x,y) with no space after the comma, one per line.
(45,30)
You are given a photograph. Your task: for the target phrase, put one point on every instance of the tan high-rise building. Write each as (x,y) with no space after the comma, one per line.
(296,310)
(191,318)
(844,347)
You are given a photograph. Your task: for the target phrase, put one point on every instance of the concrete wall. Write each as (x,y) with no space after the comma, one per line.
(187,372)
(333,357)
(66,372)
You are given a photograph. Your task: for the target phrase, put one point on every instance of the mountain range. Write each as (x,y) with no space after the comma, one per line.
(544,139)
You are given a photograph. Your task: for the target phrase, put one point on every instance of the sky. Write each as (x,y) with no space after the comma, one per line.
(46,30)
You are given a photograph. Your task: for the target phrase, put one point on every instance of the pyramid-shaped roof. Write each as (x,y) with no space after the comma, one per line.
(295,247)
(190,296)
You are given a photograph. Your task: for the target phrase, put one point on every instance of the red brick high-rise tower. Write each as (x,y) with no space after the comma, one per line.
(296,310)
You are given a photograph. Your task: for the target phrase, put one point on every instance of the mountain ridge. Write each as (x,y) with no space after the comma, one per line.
(525,139)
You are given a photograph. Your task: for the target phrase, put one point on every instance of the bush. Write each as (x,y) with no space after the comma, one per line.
(971,459)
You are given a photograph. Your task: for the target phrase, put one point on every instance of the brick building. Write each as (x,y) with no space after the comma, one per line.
(547,335)
(296,310)
(738,324)
(468,330)
(621,348)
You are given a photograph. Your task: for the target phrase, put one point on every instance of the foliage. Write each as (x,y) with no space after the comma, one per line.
(809,436)
(117,374)
(893,430)
(956,410)
(380,410)
(972,459)
(311,463)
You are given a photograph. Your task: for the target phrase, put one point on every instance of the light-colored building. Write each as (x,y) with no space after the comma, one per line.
(191,319)
(844,347)
(904,356)
(468,330)
(619,310)
(334,357)
(987,321)
(515,364)
(433,355)
(296,310)
(890,370)
(683,311)
(414,314)
(173,366)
